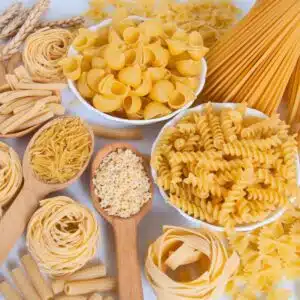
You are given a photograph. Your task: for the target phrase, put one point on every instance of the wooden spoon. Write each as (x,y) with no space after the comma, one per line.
(15,219)
(129,275)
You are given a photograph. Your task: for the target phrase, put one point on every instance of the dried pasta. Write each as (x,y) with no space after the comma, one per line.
(211,18)
(43,51)
(11,174)
(268,255)
(186,263)
(235,173)
(61,150)
(135,70)
(62,236)
(254,62)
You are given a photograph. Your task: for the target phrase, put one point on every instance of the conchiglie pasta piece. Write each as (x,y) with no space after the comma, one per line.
(131,76)
(114,38)
(162,91)
(169,29)
(94,77)
(176,47)
(95,51)
(145,87)
(177,100)
(107,104)
(112,87)
(102,36)
(123,25)
(188,67)
(197,54)
(148,56)
(158,73)
(195,39)
(114,57)
(72,67)
(84,39)
(180,35)
(152,28)
(161,55)
(186,91)
(105,83)
(83,88)
(130,57)
(155,110)
(131,35)
(193,82)
(137,116)
(98,63)
(86,64)
(132,104)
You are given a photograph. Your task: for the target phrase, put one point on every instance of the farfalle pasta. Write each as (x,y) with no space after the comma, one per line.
(136,70)
(226,168)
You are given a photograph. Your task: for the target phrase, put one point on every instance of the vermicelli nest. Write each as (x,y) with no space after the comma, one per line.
(62,236)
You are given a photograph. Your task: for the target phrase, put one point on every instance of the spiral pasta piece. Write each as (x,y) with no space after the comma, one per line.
(11,175)
(267,195)
(205,132)
(62,236)
(227,126)
(180,247)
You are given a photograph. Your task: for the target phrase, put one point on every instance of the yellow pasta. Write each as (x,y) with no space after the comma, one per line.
(51,232)
(8,292)
(129,64)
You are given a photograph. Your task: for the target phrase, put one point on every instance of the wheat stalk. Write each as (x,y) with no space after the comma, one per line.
(9,13)
(14,44)
(11,28)
(72,22)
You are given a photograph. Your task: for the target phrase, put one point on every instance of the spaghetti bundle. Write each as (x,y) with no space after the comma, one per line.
(62,236)
(254,61)
(188,263)
(10,174)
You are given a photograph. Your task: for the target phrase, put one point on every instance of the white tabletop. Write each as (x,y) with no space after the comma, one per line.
(161,214)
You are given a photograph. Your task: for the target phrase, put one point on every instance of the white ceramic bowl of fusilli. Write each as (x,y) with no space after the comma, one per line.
(218,106)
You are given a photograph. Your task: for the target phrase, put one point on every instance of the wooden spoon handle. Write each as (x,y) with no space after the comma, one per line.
(129,275)
(15,219)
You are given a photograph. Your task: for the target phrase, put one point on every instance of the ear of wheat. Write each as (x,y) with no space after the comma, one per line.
(9,14)
(33,18)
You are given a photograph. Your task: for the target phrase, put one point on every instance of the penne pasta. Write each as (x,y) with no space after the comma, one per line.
(88,273)
(58,286)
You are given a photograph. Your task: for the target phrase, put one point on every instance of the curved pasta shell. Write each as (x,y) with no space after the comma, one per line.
(188,67)
(72,66)
(158,73)
(155,110)
(131,76)
(106,104)
(148,56)
(94,77)
(176,47)
(84,39)
(95,51)
(131,35)
(191,82)
(115,59)
(123,25)
(145,87)
(114,38)
(195,39)
(86,64)
(186,91)
(137,116)
(162,91)
(98,63)
(102,36)
(132,104)
(197,54)
(152,28)
(177,100)
(115,88)
(105,83)
(169,29)
(161,55)
(180,35)
(83,88)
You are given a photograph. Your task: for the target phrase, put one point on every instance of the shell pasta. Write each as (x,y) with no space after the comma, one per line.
(136,70)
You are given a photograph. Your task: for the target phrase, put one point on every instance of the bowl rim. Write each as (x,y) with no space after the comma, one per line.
(72,86)
(248,227)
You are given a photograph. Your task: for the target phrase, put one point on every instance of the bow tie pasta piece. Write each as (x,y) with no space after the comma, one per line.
(114,57)
(162,91)
(176,47)
(85,39)
(107,104)
(156,110)
(83,87)
(132,104)
(159,73)
(188,67)
(98,63)
(94,76)
(72,67)
(145,87)
(131,76)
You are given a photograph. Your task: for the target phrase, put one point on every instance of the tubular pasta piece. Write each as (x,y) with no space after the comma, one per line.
(72,67)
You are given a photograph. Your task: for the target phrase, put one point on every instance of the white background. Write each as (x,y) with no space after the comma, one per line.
(161,214)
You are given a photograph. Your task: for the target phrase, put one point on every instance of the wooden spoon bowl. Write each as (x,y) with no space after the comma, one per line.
(32,191)
(129,275)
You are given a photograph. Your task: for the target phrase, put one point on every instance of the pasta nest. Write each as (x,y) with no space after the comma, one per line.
(62,236)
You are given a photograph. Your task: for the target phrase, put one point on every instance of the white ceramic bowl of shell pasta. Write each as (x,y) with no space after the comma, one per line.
(273,216)
(88,105)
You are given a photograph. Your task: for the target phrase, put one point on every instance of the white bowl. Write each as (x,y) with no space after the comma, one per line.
(73,88)
(250,112)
